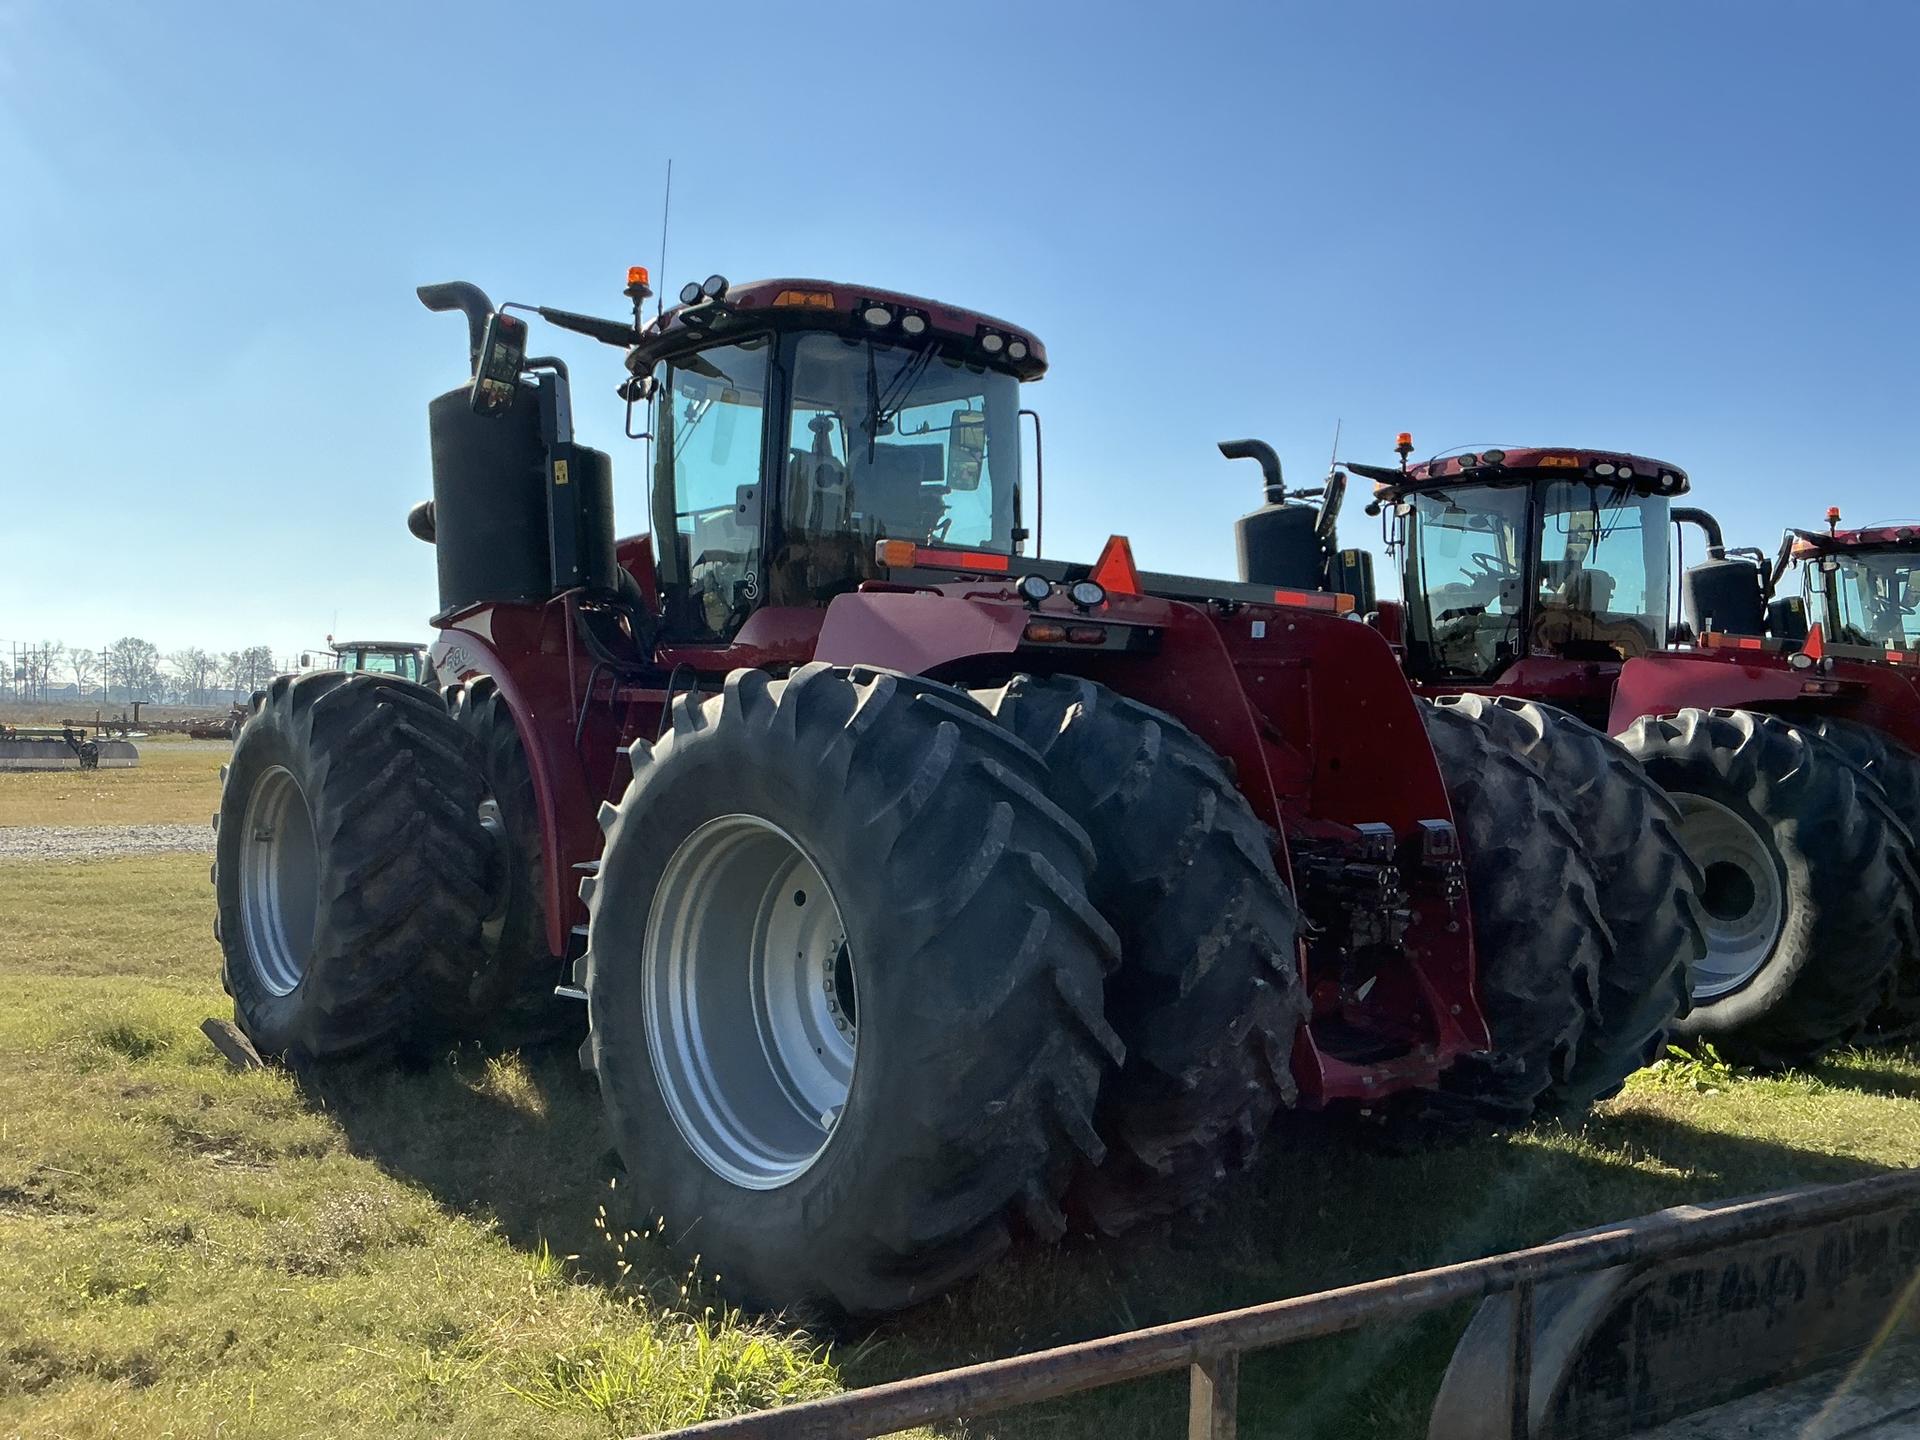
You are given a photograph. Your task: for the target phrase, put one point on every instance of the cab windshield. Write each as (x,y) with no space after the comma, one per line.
(385,662)
(1603,572)
(886,442)
(1874,599)
(872,441)
(1568,568)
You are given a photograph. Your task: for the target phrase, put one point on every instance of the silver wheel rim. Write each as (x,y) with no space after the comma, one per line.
(279,880)
(750,998)
(1743,898)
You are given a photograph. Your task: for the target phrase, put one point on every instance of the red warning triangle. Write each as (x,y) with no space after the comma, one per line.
(1816,647)
(1113,571)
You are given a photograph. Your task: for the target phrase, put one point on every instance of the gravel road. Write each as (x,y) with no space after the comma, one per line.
(99,842)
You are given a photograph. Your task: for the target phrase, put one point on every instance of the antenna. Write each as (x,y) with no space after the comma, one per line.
(1334,458)
(666,209)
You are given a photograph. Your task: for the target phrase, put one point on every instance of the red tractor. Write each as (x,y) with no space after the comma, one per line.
(923,894)
(1536,578)
(1792,751)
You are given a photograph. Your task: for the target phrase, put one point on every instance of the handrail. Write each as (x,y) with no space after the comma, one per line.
(1210,1346)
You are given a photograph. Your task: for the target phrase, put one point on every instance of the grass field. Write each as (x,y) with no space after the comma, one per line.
(197,1251)
(177,780)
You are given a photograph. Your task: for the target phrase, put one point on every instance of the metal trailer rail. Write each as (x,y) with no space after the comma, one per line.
(1210,1347)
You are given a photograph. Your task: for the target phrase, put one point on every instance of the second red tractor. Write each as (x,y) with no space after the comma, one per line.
(1537,581)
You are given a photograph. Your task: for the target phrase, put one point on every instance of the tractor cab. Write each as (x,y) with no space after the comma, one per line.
(799,425)
(796,427)
(1861,586)
(1527,557)
(401,658)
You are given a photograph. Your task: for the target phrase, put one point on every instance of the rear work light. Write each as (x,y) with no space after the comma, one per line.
(905,555)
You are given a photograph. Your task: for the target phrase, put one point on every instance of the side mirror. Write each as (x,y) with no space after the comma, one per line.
(1326,525)
(503,355)
(966,450)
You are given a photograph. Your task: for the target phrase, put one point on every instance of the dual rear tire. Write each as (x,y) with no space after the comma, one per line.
(1808,883)
(351,873)
(846,988)
(1585,916)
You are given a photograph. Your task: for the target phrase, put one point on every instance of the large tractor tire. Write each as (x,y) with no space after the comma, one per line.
(351,871)
(1809,897)
(1648,890)
(1896,771)
(845,988)
(510,995)
(1539,939)
(1207,998)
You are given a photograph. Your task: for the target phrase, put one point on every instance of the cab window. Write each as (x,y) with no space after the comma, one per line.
(708,428)
(1465,561)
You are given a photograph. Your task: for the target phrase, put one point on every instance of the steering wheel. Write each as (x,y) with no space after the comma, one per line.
(1491,567)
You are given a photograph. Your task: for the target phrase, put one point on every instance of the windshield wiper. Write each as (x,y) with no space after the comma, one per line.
(882,409)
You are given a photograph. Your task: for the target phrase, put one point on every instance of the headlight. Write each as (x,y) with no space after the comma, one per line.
(1034,588)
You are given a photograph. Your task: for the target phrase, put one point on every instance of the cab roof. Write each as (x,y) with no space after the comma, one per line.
(1872,537)
(837,305)
(1524,464)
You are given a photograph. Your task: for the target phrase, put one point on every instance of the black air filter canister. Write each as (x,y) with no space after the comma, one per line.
(489,503)
(1724,595)
(1277,546)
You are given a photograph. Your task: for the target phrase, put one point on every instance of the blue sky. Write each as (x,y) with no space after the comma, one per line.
(1682,229)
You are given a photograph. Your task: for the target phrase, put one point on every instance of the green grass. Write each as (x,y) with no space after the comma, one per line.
(194,1250)
(177,780)
(440,1250)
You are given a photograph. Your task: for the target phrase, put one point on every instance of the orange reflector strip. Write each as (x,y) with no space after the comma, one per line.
(1719,640)
(1315,600)
(1114,571)
(811,299)
(904,555)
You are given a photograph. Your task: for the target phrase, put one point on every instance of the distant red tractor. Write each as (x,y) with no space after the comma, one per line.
(1793,749)
(1536,578)
(924,895)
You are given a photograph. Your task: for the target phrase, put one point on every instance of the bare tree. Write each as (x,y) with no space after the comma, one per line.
(134,665)
(40,662)
(254,668)
(85,666)
(193,668)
